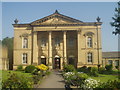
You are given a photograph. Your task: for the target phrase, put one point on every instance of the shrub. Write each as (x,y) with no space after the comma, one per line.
(42,67)
(94,71)
(69,68)
(75,78)
(15,81)
(35,71)
(36,78)
(89,69)
(108,67)
(90,83)
(30,69)
(19,68)
(101,70)
(82,69)
(110,84)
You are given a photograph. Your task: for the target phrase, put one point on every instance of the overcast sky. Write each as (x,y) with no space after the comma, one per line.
(84,11)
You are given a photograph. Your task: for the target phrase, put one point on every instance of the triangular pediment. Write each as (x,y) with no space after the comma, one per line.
(56,18)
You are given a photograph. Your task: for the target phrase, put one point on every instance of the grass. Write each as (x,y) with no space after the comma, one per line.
(105,78)
(5,74)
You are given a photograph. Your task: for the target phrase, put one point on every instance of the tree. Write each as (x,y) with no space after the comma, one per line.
(116,19)
(9,43)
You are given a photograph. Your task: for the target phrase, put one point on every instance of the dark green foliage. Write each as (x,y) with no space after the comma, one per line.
(9,43)
(94,71)
(37,78)
(108,67)
(69,68)
(19,68)
(15,81)
(117,67)
(35,72)
(110,85)
(30,69)
(101,70)
(116,19)
(82,69)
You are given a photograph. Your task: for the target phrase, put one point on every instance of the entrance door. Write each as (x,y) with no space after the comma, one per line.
(57,63)
(43,61)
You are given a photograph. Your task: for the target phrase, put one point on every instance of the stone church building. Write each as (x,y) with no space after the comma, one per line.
(56,40)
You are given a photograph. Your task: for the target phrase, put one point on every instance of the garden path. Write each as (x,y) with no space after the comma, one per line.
(54,80)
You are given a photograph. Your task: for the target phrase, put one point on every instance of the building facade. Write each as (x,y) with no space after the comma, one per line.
(56,40)
(111,58)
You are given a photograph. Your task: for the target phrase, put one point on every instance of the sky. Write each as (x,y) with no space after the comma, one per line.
(27,12)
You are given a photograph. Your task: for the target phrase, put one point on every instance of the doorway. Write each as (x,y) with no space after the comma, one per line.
(57,62)
(43,60)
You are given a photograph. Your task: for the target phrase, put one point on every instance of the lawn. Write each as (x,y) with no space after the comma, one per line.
(5,74)
(105,78)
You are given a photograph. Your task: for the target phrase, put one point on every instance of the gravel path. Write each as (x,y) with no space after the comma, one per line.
(54,80)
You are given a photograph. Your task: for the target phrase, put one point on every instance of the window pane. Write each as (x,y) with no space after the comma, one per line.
(57,41)
(71,42)
(116,62)
(89,42)
(43,42)
(89,57)
(110,62)
(24,58)
(25,43)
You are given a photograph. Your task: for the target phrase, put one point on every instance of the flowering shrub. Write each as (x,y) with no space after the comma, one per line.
(115,84)
(75,78)
(91,83)
(42,67)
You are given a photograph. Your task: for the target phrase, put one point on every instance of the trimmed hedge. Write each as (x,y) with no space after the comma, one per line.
(30,69)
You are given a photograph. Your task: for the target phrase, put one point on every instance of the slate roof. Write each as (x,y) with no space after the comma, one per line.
(111,54)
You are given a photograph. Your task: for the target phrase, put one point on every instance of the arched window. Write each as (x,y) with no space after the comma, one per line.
(43,42)
(25,42)
(89,57)
(89,42)
(24,58)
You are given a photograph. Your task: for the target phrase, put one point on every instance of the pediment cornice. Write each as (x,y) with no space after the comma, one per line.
(56,18)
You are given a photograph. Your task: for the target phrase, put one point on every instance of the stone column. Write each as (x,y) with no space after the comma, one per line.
(78,42)
(50,50)
(35,49)
(64,47)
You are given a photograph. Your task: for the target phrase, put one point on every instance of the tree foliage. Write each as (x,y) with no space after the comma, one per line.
(116,19)
(9,43)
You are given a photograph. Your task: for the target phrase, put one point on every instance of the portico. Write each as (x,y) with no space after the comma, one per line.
(56,40)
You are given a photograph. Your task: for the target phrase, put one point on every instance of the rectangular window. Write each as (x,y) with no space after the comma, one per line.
(110,62)
(71,42)
(57,41)
(24,58)
(25,42)
(116,62)
(43,42)
(89,57)
(89,42)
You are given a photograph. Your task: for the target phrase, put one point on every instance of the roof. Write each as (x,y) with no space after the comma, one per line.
(57,19)
(111,54)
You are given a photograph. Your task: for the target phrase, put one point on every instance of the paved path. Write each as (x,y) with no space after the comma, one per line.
(54,80)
